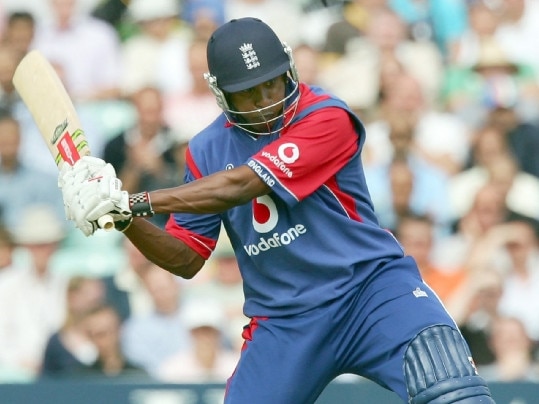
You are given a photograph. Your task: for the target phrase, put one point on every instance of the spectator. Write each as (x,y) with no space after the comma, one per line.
(412,184)
(2,19)
(493,81)
(209,361)
(493,249)
(407,186)
(487,210)
(492,161)
(518,30)
(148,340)
(308,62)
(20,30)
(482,23)
(41,10)
(9,58)
(179,152)
(69,351)
(111,11)
(226,287)
(352,23)
(204,16)
(188,112)
(143,155)
(475,310)
(522,137)
(281,15)
(513,351)
(32,297)
(26,185)
(440,138)
(85,48)
(103,328)
(518,239)
(359,77)
(401,185)
(156,54)
(440,21)
(132,297)
(416,234)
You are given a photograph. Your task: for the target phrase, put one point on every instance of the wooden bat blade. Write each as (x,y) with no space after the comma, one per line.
(45,96)
(51,107)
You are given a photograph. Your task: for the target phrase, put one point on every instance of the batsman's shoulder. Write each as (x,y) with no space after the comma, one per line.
(212,137)
(205,149)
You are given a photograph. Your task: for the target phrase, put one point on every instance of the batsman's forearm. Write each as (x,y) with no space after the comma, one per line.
(212,194)
(163,249)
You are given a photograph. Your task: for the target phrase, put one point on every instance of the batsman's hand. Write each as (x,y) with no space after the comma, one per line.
(82,170)
(90,189)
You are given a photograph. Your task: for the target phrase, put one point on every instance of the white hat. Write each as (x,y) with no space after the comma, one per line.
(144,10)
(201,312)
(491,54)
(39,225)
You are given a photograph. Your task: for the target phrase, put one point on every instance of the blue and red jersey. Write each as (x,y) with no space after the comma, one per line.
(315,236)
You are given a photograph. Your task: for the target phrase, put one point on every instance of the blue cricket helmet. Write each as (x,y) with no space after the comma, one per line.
(245,52)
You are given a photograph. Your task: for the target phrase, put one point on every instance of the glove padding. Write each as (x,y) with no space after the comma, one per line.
(85,168)
(90,190)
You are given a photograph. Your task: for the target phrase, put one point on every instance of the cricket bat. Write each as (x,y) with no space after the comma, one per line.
(46,98)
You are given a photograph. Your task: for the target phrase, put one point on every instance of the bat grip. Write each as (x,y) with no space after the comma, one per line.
(106,222)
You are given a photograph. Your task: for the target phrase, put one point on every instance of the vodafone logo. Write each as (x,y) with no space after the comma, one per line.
(265,218)
(288,153)
(265,214)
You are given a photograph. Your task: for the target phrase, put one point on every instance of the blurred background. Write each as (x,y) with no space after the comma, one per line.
(448,91)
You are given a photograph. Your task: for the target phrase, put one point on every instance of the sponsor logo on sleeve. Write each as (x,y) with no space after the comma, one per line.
(287,154)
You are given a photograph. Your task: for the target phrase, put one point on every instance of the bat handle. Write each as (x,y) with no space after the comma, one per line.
(106,222)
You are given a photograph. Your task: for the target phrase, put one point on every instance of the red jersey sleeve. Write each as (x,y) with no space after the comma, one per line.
(311,151)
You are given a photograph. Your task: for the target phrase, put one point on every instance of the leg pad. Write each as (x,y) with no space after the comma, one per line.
(438,368)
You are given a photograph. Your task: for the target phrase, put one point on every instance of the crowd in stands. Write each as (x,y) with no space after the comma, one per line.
(448,91)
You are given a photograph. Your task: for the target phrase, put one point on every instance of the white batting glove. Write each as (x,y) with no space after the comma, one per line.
(83,169)
(71,178)
(90,190)
(97,197)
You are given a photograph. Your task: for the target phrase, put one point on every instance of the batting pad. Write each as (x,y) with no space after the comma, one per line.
(438,368)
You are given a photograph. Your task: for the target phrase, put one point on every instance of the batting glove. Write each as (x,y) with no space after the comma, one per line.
(97,197)
(83,169)
(91,190)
